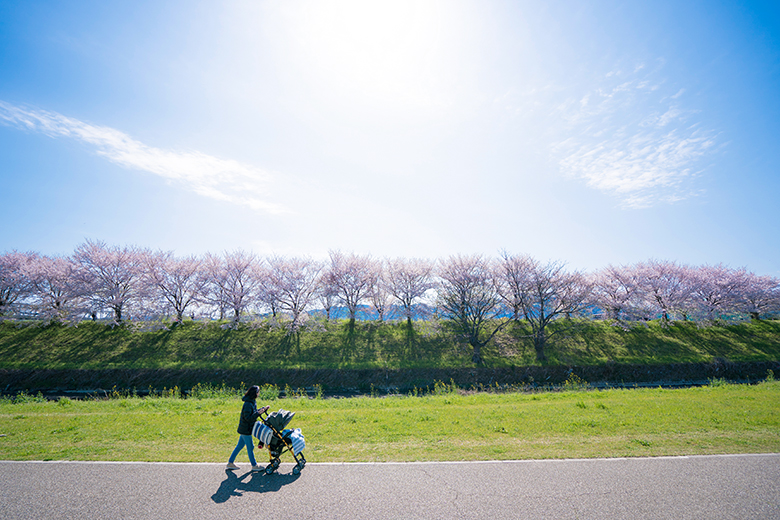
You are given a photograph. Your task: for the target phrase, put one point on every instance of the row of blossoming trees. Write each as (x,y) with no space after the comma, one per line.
(479,295)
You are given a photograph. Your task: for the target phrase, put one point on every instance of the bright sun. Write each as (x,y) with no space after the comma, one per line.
(395,51)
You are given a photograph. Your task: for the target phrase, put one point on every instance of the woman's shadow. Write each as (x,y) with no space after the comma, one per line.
(258,482)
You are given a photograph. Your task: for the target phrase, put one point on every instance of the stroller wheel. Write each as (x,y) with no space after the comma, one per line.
(297,470)
(269,469)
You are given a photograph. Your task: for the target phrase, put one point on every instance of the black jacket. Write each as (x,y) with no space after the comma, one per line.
(249,415)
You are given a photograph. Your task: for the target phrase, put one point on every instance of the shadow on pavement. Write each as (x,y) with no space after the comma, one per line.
(258,482)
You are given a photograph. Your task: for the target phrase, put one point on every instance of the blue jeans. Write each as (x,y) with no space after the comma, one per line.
(244,440)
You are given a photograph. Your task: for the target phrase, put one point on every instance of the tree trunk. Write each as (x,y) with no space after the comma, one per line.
(349,341)
(410,337)
(476,354)
(539,343)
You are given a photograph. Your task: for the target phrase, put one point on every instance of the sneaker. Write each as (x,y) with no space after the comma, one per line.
(257,467)
(230,465)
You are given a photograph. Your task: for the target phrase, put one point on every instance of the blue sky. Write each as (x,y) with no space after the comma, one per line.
(588,132)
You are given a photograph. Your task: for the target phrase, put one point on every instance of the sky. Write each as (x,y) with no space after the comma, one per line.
(591,133)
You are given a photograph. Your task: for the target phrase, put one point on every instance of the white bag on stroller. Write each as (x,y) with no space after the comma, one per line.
(298,442)
(262,432)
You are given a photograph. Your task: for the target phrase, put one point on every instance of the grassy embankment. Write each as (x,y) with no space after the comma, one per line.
(373,345)
(452,425)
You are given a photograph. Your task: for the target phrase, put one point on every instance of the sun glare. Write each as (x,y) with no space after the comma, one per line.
(394,52)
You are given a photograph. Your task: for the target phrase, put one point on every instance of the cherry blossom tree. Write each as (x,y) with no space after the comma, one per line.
(294,282)
(666,287)
(231,282)
(468,297)
(760,296)
(474,292)
(113,272)
(352,278)
(716,290)
(242,283)
(512,274)
(326,294)
(215,275)
(379,295)
(547,293)
(14,283)
(56,287)
(408,280)
(178,281)
(616,290)
(268,290)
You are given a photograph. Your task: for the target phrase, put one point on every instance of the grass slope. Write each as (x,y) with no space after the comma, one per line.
(372,345)
(720,418)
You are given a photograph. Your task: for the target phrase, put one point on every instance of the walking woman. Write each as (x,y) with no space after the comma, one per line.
(249,414)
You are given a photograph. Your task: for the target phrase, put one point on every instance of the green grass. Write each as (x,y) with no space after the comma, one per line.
(682,342)
(720,418)
(372,345)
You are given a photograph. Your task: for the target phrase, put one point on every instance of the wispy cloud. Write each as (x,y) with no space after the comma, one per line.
(627,137)
(642,169)
(206,175)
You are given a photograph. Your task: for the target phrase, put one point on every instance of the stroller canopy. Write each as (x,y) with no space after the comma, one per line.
(279,420)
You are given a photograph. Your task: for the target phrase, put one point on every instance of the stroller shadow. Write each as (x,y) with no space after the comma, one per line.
(258,482)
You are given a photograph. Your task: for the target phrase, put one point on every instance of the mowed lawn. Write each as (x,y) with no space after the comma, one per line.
(720,418)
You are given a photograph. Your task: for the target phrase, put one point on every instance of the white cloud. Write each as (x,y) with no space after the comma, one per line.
(641,168)
(221,179)
(619,142)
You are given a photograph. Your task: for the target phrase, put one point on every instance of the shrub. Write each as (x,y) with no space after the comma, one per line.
(23,397)
(209,391)
(442,388)
(574,382)
(268,392)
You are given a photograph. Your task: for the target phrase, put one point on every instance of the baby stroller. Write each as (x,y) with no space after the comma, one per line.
(270,430)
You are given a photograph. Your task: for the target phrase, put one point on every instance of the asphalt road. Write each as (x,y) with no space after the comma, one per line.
(706,487)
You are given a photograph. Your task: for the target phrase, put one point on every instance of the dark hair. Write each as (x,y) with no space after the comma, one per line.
(252,392)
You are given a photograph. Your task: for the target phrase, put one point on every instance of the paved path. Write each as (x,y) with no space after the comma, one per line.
(708,487)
